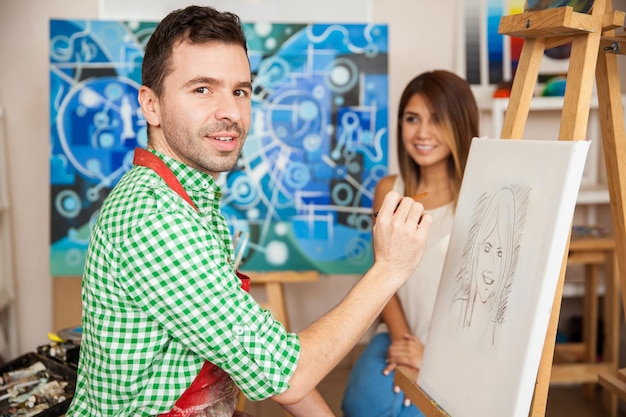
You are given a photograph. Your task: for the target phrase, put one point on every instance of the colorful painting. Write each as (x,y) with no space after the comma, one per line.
(490,58)
(302,191)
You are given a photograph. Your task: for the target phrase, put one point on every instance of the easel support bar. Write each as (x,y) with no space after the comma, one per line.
(546,23)
(407,381)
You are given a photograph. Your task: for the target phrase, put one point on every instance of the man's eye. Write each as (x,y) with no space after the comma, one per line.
(202,90)
(241,93)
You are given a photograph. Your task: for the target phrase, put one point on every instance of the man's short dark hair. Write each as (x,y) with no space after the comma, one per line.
(193,24)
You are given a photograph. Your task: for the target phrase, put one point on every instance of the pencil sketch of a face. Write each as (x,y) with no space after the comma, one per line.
(489,260)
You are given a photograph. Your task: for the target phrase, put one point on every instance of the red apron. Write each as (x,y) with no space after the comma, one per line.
(212,393)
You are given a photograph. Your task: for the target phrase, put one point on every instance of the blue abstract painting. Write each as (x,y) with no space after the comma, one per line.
(302,190)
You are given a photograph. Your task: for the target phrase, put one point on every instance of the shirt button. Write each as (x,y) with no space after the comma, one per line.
(205,184)
(238,330)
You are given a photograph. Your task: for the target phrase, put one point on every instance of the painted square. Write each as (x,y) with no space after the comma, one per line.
(303,187)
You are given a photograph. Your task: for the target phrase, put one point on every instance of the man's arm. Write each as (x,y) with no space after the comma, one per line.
(399,237)
(312,405)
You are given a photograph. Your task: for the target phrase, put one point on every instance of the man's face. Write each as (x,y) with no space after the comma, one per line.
(204,111)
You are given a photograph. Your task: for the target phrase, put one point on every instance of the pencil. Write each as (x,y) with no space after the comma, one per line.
(416,197)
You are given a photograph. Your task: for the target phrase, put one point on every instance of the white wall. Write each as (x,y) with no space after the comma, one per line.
(421,36)
(24,94)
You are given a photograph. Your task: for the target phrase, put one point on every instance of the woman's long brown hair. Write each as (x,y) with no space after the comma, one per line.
(451,98)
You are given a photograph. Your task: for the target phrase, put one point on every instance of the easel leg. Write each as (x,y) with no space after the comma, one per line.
(577,100)
(590,321)
(614,144)
(523,88)
(276,300)
(611,331)
(540,397)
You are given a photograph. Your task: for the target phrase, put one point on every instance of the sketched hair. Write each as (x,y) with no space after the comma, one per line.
(522,197)
(495,212)
(499,216)
(464,277)
(451,99)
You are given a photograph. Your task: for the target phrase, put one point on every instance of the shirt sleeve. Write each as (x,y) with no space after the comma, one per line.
(176,268)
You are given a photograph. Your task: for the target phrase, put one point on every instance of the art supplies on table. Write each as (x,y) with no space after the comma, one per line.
(35,385)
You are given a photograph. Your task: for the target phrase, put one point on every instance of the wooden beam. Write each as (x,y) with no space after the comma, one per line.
(257,277)
(546,23)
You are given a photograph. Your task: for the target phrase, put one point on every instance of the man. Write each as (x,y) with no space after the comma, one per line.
(167,328)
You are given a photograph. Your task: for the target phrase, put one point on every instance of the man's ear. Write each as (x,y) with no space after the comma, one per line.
(149,103)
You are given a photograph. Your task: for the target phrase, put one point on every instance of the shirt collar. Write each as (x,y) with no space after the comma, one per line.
(202,187)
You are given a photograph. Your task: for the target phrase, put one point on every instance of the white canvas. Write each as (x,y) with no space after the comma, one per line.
(515,209)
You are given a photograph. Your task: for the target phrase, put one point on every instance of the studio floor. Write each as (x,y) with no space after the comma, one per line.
(563,401)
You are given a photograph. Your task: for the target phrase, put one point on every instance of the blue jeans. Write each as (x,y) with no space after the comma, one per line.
(369,393)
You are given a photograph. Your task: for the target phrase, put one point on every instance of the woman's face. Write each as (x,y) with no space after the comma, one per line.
(422,133)
(488,264)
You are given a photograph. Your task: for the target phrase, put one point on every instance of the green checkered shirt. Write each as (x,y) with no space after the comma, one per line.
(160,296)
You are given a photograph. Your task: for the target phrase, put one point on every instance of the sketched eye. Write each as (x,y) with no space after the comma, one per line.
(487,248)
(499,253)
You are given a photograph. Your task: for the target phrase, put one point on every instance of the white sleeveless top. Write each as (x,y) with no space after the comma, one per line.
(418,294)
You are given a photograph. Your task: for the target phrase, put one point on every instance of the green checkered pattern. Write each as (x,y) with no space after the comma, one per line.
(160,296)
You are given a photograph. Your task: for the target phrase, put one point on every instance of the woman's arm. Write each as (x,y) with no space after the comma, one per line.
(393,316)
(405,349)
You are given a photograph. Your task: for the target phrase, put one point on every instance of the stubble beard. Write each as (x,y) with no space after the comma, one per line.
(193,149)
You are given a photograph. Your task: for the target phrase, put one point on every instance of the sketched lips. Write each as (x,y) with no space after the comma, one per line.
(487,277)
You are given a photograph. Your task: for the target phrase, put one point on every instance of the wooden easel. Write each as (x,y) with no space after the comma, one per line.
(594,50)
(272,283)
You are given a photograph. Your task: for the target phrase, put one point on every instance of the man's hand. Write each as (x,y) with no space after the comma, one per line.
(399,235)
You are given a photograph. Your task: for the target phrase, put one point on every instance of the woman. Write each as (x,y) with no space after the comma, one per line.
(437,119)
